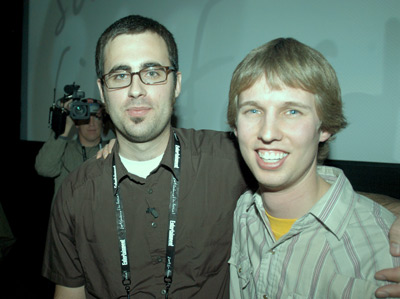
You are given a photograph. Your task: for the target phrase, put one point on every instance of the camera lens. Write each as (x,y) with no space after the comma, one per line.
(80,110)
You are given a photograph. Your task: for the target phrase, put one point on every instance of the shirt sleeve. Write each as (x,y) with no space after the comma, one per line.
(61,260)
(234,284)
(49,159)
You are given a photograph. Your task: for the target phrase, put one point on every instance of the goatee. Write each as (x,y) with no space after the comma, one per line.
(137,120)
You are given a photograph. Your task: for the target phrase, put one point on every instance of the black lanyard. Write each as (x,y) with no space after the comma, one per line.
(172,218)
(84,155)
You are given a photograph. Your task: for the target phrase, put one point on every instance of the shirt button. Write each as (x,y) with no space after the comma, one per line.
(159,259)
(265,297)
(154,225)
(272,251)
(240,270)
(163,292)
(150,191)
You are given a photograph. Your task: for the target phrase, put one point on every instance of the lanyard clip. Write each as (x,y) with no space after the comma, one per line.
(126,283)
(168,282)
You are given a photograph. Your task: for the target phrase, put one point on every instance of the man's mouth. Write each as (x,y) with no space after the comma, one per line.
(271,156)
(138,111)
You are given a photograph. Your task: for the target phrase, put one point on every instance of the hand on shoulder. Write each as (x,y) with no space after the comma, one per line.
(106,150)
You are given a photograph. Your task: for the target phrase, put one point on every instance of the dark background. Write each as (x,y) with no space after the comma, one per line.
(27,197)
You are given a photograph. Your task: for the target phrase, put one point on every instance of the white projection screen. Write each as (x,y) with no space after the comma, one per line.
(360,38)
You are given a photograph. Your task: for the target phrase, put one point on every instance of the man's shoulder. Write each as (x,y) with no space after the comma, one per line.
(208,141)
(203,134)
(92,169)
(370,210)
(358,216)
(344,202)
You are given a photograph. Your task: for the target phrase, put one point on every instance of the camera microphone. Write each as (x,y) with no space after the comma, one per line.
(152,211)
(70,89)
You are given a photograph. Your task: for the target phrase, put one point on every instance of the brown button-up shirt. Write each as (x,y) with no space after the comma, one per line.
(82,246)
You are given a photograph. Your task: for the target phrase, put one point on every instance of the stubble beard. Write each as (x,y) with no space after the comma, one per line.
(133,133)
(150,131)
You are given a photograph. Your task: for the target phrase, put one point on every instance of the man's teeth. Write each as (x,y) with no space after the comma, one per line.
(271,156)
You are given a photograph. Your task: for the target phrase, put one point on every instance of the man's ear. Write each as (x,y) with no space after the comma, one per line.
(100,86)
(178,84)
(324,136)
(102,97)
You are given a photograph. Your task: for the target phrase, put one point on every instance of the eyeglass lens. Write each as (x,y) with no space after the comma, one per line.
(151,75)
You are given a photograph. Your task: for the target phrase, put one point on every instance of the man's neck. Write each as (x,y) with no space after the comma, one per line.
(143,151)
(296,201)
(88,143)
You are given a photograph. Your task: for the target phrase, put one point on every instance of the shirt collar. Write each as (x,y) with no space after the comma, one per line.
(168,158)
(334,209)
(166,162)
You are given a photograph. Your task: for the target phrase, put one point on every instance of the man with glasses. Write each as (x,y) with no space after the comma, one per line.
(153,219)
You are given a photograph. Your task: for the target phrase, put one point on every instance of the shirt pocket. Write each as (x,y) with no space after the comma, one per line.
(244,273)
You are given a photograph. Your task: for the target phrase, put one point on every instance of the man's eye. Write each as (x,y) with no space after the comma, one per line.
(253,111)
(292,112)
(119,76)
(154,73)
(123,76)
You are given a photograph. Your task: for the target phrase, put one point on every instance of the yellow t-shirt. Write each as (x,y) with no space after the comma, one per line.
(280,226)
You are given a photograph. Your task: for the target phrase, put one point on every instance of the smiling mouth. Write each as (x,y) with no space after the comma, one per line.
(271,156)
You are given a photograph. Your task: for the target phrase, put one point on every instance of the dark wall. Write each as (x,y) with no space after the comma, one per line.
(382,178)
(26,207)
(26,196)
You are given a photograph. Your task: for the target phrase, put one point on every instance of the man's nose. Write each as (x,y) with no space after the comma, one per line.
(270,129)
(137,87)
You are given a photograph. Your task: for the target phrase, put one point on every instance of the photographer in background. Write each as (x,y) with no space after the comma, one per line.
(61,154)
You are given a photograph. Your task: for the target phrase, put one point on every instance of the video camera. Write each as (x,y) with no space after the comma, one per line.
(80,108)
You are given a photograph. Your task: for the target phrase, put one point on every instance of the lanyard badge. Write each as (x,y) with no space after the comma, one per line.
(172,221)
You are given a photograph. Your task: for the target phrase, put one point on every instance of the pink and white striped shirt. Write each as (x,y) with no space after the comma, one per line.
(331,252)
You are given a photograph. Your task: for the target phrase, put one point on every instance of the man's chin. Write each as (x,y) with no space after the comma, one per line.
(137,120)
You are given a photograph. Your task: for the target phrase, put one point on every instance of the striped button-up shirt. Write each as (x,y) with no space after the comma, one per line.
(331,252)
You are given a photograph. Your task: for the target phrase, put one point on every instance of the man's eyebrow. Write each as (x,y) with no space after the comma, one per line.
(285,105)
(124,67)
(248,103)
(149,64)
(291,104)
(121,67)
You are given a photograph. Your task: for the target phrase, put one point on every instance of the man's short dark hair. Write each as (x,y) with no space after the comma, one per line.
(135,24)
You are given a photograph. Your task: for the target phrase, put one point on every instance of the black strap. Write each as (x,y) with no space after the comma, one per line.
(84,155)
(173,213)
(121,230)
(172,220)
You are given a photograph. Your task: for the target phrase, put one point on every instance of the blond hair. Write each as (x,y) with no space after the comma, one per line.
(288,62)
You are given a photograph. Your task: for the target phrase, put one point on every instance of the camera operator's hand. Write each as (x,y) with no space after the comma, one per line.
(69,124)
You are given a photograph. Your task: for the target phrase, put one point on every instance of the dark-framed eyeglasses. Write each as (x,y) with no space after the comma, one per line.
(150,76)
